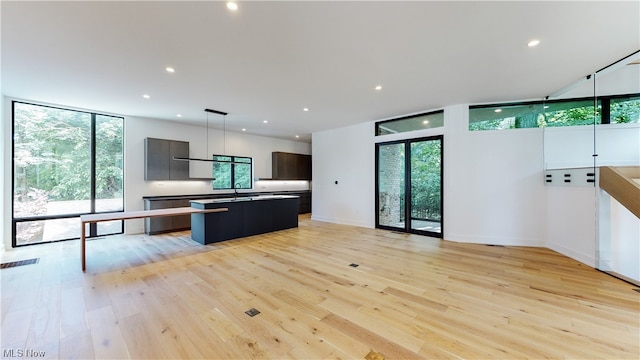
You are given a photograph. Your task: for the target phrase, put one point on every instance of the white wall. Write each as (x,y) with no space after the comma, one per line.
(258,147)
(571,211)
(625,241)
(572,147)
(5,183)
(345,155)
(571,222)
(494,191)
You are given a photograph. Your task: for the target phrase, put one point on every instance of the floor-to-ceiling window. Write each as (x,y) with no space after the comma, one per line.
(65,163)
(409,185)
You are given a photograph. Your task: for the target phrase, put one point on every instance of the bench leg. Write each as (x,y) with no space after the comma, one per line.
(83,242)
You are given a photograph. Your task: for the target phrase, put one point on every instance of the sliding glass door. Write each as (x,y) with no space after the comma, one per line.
(391,192)
(409,186)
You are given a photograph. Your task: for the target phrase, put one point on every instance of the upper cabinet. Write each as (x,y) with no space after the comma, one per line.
(159,163)
(288,166)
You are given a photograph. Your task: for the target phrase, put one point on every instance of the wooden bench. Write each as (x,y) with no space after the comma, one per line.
(126,215)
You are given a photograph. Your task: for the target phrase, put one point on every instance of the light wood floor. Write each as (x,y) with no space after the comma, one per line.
(151,297)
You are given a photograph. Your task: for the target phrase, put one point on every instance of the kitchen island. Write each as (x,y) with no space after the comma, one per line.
(246,216)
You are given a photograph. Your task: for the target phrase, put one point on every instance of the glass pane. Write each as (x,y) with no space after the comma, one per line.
(534,114)
(109,163)
(31,232)
(109,227)
(500,117)
(222,172)
(418,122)
(52,161)
(391,194)
(426,180)
(570,113)
(625,110)
(242,173)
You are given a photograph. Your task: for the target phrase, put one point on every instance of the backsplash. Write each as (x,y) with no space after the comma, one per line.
(280,185)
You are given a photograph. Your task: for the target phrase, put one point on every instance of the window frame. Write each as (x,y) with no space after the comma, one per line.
(92,228)
(604,102)
(378,124)
(233,162)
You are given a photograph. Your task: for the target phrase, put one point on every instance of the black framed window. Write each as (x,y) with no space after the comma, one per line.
(428,120)
(65,163)
(616,109)
(232,172)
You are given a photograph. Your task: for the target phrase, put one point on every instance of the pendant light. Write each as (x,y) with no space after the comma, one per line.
(224,141)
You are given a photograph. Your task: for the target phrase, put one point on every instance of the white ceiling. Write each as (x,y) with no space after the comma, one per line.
(269,60)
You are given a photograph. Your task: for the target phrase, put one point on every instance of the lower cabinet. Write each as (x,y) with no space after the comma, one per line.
(243,218)
(158,225)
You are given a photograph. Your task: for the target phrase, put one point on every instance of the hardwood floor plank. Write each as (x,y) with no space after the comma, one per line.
(167,296)
(139,338)
(45,323)
(72,311)
(77,346)
(376,342)
(107,339)
(108,342)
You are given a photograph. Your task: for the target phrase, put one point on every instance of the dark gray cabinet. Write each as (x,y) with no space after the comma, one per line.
(243,218)
(157,225)
(165,224)
(159,163)
(289,166)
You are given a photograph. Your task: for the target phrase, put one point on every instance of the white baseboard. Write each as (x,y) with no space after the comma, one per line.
(340,221)
(586,259)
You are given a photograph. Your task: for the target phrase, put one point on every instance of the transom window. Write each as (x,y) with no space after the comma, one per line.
(411,123)
(554,113)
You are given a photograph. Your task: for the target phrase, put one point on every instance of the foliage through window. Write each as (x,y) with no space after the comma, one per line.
(65,163)
(573,112)
(232,172)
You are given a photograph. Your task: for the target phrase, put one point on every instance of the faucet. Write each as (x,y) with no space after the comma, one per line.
(235,188)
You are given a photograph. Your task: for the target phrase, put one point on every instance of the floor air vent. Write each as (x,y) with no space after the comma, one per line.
(252,312)
(19,263)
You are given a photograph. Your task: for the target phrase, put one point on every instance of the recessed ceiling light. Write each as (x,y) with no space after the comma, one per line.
(533,43)
(265,121)
(305,109)
(379,87)
(244,129)
(425,122)
(146,96)
(232,6)
(498,110)
(179,115)
(170,69)
(297,136)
